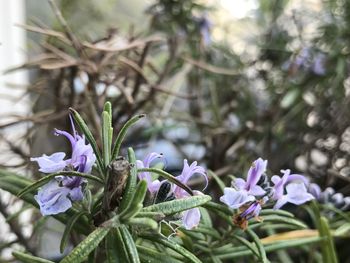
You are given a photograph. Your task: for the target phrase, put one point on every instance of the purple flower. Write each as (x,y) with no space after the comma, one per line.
(315,190)
(152,186)
(82,158)
(235,199)
(245,191)
(187,172)
(255,172)
(54,199)
(205,26)
(56,196)
(280,183)
(252,211)
(296,194)
(318,66)
(191,218)
(51,164)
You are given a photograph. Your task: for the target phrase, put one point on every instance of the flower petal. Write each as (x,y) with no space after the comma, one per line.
(53,199)
(191,218)
(52,163)
(235,199)
(256,170)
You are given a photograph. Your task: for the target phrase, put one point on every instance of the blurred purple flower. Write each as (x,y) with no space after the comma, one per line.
(281,182)
(56,196)
(205,26)
(315,190)
(152,186)
(318,65)
(296,194)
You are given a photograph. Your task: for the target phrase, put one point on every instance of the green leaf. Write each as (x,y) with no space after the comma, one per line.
(108,108)
(68,229)
(328,250)
(122,133)
(289,98)
(106,142)
(248,244)
(167,176)
(259,246)
(130,245)
(84,128)
(115,248)
(26,258)
(280,219)
(47,178)
(131,183)
(278,212)
(174,246)
(81,252)
(241,251)
(178,205)
(136,203)
(143,222)
(150,255)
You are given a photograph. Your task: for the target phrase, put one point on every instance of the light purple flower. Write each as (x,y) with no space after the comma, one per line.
(315,190)
(52,163)
(235,199)
(205,26)
(187,172)
(318,66)
(255,172)
(54,199)
(281,182)
(152,186)
(246,191)
(296,194)
(56,196)
(191,218)
(252,211)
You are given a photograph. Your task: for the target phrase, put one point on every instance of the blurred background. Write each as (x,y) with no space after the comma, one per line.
(222,82)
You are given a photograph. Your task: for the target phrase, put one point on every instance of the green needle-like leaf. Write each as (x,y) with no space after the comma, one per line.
(259,246)
(131,181)
(122,134)
(106,142)
(70,224)
(154,256)
(179,205)
(26,258)
(81,252)
(129,244)
(174,246)
(136,203)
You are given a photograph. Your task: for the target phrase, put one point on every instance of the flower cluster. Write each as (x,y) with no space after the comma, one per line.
(191,217)
(56,196)
(249,196)
(329,196)
(307,60)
